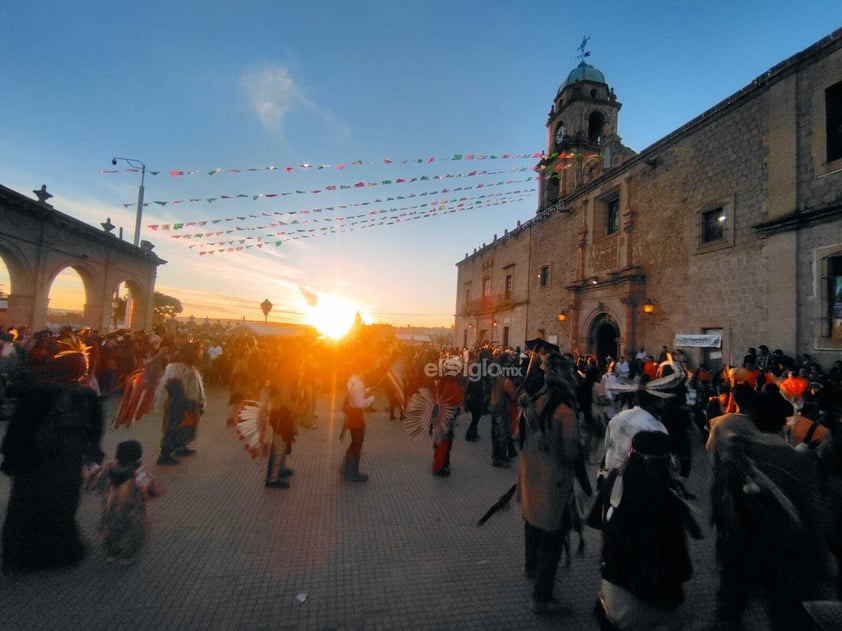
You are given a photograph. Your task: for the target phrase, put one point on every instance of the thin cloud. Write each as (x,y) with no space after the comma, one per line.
(310,296)
(273,94)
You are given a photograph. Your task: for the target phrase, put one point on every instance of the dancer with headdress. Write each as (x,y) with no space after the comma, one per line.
(433,409)
(550,450)
(280,398)
(54,432)
(141,386)
(181,395)
(644,415)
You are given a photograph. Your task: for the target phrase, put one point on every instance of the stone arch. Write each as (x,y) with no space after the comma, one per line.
(37,242)
(89,279)
(57,304)
(20,274)
(137,296)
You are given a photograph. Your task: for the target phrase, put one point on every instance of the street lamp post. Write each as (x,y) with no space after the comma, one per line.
(136,164)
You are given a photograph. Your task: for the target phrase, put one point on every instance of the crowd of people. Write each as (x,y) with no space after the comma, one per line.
(771,427)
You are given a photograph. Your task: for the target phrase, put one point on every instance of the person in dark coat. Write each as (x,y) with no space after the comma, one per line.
(766,507)
(54,432)
(644,523)
(475,403)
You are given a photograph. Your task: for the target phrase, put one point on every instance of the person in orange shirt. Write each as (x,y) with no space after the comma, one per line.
(650,367)
(804,433)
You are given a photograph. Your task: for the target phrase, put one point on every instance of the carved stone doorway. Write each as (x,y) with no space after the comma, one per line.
(604,336)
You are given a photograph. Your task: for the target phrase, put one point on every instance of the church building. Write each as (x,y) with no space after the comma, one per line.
(723,235)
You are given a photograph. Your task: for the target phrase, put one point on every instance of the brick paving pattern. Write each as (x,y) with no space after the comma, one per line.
(401,551)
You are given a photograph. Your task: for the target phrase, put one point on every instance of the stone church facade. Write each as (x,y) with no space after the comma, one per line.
(725,234)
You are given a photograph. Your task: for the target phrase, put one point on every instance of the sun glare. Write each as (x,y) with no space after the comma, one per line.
(333,316)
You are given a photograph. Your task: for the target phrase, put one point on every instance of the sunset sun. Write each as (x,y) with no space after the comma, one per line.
(333,316)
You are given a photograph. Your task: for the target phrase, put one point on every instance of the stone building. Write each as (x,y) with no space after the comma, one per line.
(37,243)
(723,235)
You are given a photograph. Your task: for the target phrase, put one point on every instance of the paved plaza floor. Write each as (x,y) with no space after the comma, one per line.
(401,551)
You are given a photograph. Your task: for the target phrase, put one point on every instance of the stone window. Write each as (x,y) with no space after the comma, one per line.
(544,276)
(832,297)
(712,229)
(486,287)
(612,215)
(508,288)
(715,226)
(833,118)
(606,217)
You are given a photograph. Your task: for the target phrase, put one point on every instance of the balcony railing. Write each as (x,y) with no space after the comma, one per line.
(488,304)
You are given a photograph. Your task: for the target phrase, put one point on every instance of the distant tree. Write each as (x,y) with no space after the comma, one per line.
(266,307)
(165,307)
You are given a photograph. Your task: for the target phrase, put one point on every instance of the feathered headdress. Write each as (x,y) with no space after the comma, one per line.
(253,428)
(428,413)
(66,366)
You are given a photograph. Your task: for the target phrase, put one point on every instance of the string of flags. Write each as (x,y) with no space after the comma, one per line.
(307,211)
(340,166)
(280,226)
(238,245)
(332,187)
(178,227)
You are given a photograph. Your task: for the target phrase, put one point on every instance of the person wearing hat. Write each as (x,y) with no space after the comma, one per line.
(125,487)
(539,349)
(625,424)
(550,449)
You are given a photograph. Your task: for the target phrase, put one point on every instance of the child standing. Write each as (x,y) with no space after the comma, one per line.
(126,487)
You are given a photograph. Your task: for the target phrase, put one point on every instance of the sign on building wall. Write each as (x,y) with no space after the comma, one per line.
(698,340)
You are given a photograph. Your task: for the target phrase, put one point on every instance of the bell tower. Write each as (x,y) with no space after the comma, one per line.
(582,140)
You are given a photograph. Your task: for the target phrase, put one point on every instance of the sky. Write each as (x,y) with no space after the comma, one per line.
(419,121)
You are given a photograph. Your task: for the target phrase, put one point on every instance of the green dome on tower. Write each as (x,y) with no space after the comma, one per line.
(583,72)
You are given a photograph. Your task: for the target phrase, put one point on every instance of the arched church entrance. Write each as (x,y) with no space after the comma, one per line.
(603,337)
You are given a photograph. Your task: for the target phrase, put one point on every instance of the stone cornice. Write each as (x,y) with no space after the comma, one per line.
(799,219)
(48,214)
